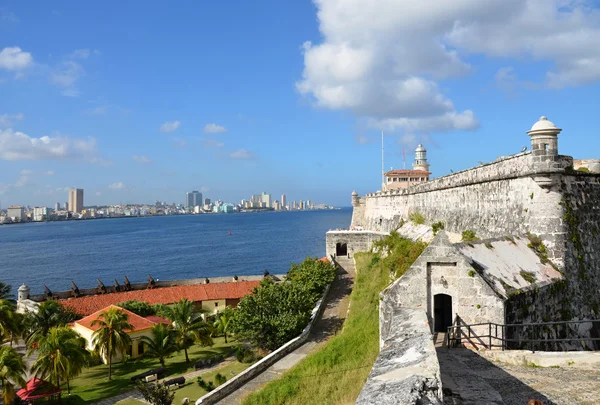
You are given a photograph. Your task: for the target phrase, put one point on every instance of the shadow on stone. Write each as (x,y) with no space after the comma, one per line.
(470,378)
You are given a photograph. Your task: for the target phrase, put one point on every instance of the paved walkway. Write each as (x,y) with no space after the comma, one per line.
(468,378)
(329,324)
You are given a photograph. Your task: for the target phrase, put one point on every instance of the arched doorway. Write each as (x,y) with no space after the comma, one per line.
(442,312)
(341,249)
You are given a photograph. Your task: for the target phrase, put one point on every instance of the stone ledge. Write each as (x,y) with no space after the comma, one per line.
(407,369)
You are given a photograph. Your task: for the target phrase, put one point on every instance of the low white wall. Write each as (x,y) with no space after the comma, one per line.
(257,368)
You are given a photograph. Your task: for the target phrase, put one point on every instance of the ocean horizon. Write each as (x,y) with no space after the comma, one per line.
(166,247)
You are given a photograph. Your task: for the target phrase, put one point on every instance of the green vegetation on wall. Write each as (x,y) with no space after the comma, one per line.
(469,236)
(437,226)
(397,253)
(416,217)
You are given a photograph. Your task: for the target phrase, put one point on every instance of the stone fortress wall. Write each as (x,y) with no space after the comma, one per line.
(535,192)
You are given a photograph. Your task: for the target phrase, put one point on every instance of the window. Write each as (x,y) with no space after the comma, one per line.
(216,304)
(130,351)
(140,348)
(546,146)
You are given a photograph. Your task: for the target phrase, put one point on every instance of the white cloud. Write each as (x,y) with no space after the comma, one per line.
(67,73)
(70,92)
(170,126)
(117,186)
(383,60)
(26,172)
(98,193)
(97,110)
(141,159)
(16,145)
(179,143)
(211,143)
(48,173)
(22,181)
(8,120)
(242,154)
(13,58)
(81,54)
(214,129)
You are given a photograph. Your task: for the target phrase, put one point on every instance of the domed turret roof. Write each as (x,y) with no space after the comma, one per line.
(544,125)
(23,287)
(420,148)
(354,193)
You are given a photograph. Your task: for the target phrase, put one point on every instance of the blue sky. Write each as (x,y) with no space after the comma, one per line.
(137,102)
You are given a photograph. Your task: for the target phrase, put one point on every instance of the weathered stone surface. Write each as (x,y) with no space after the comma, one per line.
(407,369)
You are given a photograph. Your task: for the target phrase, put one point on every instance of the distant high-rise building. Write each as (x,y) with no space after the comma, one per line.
(76,200)
(66,206)
(16,213)
(265,200)
(207,201)
(283,201)
(276,206)
(308,205)
(301,205)
(193,199)
(57,206)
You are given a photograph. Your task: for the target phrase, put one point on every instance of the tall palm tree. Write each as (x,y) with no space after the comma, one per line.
(12,370)
(9,322)
(50,314)
(111,337)
(224,321)
(61,355)
(188,325)
(161,344)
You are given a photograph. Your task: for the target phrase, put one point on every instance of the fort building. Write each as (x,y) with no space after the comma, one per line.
(534,257)
(402,179)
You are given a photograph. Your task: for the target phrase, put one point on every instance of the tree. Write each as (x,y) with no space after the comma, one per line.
(111,336)
(188,325)
(273,313)
(313,275)
(9,321)
(5,291)
(224,321)
(50,314)
(12,370)
(142,308)
(61,355)
(161,344)
(156,394)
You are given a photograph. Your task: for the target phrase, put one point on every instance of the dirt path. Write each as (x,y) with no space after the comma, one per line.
(334,314)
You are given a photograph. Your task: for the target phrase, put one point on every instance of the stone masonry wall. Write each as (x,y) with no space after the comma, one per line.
(442,269)
(501,198)
(356,241)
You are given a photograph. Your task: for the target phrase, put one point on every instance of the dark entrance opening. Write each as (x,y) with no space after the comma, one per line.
(442,312)
(341,249)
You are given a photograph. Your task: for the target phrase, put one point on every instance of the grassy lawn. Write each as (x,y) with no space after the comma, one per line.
(93,384)
(191,389)
(336,373)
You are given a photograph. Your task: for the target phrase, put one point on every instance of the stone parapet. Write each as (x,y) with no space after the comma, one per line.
(407,370)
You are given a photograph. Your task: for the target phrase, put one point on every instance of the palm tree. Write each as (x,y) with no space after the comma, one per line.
(12,370)
(61,355)
(9,324)
(224,321)
(49,315)
(188,325)
(111,337)
(161,344)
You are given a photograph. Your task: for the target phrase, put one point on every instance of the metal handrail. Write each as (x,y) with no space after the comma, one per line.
(461,330)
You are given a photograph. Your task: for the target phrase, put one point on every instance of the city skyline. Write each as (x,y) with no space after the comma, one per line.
(299,114)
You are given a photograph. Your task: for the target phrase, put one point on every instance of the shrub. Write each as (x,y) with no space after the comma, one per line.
(220,379)
(140,308)
(416,217)
(436,227)
(468,236)
(312,275)
(244,354)
(374,260)
(528,276)
(400,253)
(156,394)
(583,170)
(471,273)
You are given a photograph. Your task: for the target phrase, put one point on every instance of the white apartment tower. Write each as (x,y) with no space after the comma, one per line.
(76,200)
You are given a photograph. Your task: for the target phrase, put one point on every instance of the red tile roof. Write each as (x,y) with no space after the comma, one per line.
(162,295)
(138,322)
(409,173)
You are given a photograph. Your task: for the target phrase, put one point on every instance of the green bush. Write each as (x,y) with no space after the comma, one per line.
(220,379)
(436,227)
(140,308)
(416,217)
(400,253)
(275,313)
(244,354)
(468,236)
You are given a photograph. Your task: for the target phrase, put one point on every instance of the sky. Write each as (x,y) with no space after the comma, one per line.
(142,101)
